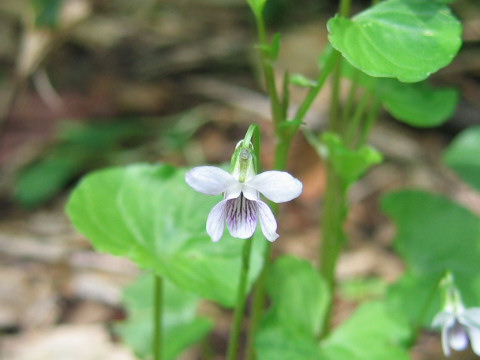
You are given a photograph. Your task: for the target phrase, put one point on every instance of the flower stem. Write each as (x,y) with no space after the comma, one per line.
(334,207)
(417,326)
(258,302)
(240,306)
(157,321)
(334,211)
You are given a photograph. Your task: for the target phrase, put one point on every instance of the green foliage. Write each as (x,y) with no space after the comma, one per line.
(273,49)
(434,235)
(79,146)
(301,80)
(149,214)
(418,104)
(463,156)
(349,164)
(257,6)
(403,39)
(181,326)
(299,301)
(47,12)
(373,332)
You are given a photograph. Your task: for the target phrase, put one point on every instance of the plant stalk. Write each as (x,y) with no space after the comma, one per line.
(240,305)
(158,316)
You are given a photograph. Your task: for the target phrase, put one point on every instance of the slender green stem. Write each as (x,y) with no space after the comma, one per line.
(417,326)
(371,118)
(354,124)
(334,207)
(351,96)
(268,73)
(330,62)
(158,316)
(258,302)
(240,306)
(334,210)
(344,8)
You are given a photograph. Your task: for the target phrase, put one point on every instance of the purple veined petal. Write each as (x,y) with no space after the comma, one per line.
(209,180)
(277,186)
(267,221)
(474,336)
(216,221)
(457,337)
(241,217)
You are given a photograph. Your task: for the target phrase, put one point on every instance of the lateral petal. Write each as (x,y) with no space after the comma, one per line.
(216,221)
(277,186)
(267,221)
(474,336)
(209,180)
(241,217)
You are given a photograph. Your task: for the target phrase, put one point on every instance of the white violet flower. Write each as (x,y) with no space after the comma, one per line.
(459,325)
(241,204)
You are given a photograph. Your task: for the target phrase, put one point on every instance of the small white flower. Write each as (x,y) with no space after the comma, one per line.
(241,205)
(459,327)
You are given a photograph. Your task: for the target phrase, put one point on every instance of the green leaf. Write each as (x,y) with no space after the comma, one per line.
(148,213)
(349,164)
(273,49)
(41,181)
(47,12)
(301,80)
(257,6)
(463,156)
(434,235)
(403,39)
(374,332)
(181,326)
(418,104)
(299,301)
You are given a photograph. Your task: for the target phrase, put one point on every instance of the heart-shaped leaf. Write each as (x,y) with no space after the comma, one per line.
(463,156)
(299,300)
(149,214)
(403,39)
(434,235)
(373,332)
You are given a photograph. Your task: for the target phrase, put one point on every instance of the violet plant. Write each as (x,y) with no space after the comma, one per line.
(149,213)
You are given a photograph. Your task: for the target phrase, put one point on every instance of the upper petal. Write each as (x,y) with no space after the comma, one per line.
(277,186)
(267,221)
(209,180)
(216,221)
(443,319)
(241,217)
